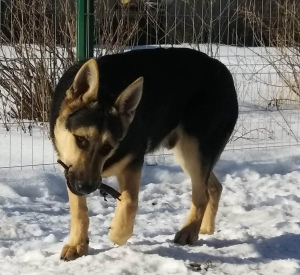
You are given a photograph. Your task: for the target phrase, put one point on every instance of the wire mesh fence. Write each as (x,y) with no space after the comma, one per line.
(257,39)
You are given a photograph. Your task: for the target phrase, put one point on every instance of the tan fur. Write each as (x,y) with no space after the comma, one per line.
(186,152)
(117,167)
(122,224)
(107,137)
(78,241)
(214,192)
(65,144)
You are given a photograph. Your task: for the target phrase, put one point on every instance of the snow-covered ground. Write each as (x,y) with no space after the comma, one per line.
(257,229)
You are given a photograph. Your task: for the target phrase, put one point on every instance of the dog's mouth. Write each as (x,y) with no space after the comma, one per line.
(70,186)
(103,188)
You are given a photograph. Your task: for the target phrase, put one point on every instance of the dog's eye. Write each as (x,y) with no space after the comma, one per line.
(105,149)
(81,142)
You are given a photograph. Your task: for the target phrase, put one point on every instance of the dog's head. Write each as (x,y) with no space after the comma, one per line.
(85,133)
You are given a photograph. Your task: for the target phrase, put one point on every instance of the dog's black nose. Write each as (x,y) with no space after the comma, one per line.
(81,186)
(85,187)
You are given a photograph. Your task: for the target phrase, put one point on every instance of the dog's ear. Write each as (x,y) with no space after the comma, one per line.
(128,101)
(85,85)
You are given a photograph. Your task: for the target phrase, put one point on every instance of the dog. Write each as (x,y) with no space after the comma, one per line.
(107,113)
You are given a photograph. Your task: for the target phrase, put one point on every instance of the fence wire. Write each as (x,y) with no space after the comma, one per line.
(258,40)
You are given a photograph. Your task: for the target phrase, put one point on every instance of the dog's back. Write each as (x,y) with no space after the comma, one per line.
(181,86)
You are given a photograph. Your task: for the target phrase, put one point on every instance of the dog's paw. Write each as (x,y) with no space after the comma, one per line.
(187,235)
(119,234)
(72,252)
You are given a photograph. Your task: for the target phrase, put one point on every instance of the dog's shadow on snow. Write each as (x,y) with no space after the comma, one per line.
(282,247)
(96,251)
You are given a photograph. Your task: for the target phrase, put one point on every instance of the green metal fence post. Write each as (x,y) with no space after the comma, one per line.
(84,29)
(90,26)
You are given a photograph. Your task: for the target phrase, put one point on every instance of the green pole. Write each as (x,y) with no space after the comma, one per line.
(90,28)
(84,29)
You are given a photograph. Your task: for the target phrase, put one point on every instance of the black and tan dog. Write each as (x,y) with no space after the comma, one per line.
(107,113)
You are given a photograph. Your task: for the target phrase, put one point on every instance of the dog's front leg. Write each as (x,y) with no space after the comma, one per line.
(78,241)
(122,224)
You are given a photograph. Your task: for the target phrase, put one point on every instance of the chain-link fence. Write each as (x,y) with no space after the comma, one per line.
(257,39)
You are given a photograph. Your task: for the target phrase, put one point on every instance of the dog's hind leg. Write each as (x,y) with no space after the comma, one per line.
(214,189)
(78,241)
(187,153)
(122,224)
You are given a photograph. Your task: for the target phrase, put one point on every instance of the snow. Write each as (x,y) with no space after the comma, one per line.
(257,229)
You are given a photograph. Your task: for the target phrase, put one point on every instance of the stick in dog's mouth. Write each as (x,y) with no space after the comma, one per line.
(103,188)
(65,166)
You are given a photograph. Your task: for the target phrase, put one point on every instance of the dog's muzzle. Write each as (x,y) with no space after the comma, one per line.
(82,187)
(79,187)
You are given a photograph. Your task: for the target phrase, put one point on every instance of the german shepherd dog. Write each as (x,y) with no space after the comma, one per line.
(107,113)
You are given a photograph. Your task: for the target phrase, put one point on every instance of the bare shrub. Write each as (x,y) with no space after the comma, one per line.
(36,46)
(278,32)
(125,23)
